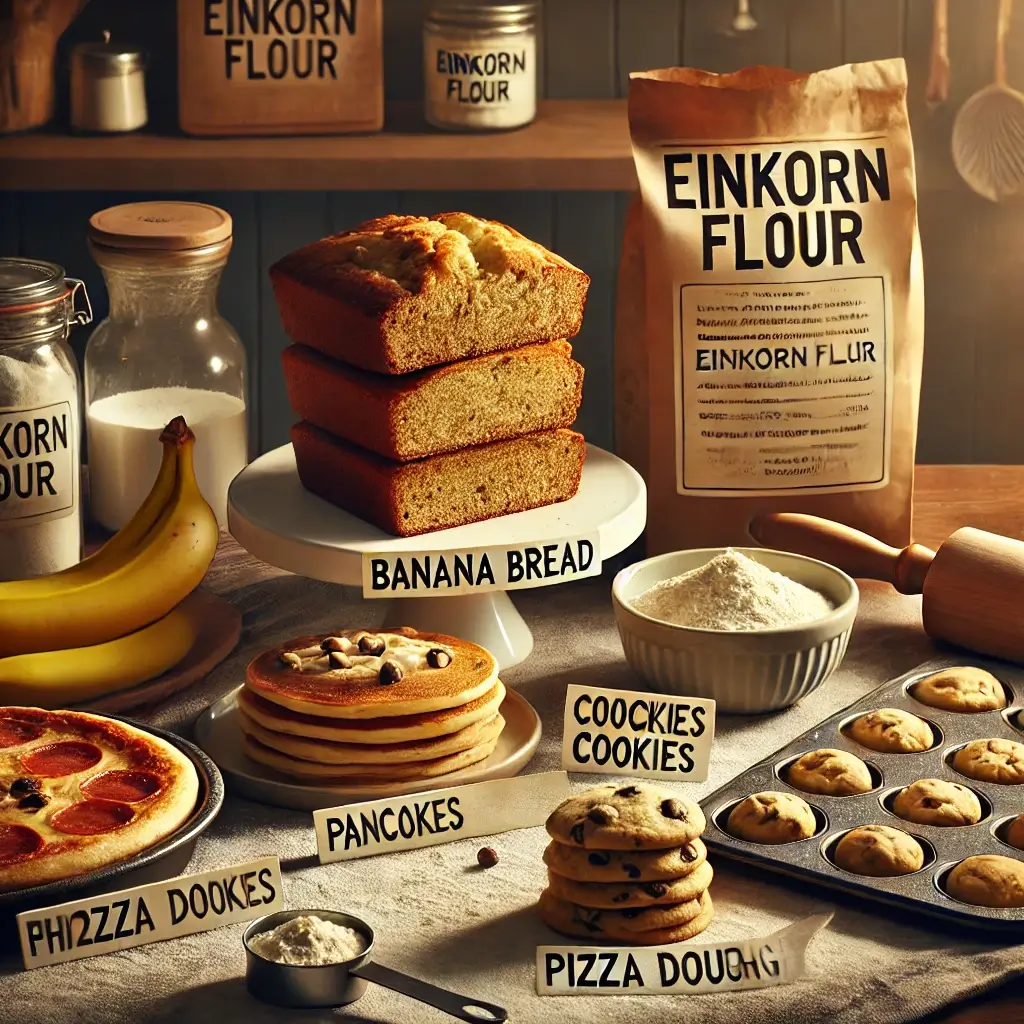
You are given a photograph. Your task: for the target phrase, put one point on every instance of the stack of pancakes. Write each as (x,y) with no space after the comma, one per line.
(393,706)
(626,864)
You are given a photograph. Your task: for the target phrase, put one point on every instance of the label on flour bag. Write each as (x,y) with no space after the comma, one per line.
(473,570)
(438,816)
(626,732)
(678,969)
(150,913)
(38,464)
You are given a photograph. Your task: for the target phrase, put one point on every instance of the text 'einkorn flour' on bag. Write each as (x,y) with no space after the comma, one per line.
(770,319)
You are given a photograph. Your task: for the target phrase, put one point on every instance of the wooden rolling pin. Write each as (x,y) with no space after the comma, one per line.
(973,586)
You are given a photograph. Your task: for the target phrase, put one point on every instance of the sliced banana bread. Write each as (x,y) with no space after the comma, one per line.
(407,498)
(471,402)
(398,293)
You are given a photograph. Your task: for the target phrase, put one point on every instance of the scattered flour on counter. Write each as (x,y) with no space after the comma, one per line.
(732,592)
(308,941)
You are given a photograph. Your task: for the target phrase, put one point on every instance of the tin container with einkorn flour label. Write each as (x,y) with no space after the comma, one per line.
(306,67)
(922,892)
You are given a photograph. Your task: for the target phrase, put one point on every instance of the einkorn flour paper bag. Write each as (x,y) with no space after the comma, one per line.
(782,301)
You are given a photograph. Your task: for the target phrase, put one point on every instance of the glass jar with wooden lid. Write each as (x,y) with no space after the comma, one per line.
(480,64)
(163,351)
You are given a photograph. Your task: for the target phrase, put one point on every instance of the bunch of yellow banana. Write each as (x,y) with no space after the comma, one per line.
(112,620)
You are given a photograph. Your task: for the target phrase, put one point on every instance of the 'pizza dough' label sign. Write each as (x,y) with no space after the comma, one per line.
(150,913)
(432,573)
(678,969)
(624,732)
(438,816)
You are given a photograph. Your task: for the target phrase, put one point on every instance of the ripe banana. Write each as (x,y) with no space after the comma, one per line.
(136,586)
(125,540)
(57,679)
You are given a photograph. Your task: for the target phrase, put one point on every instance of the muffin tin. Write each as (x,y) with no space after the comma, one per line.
(944,846)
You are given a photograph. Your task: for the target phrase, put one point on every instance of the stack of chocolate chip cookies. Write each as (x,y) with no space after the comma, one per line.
(626,864)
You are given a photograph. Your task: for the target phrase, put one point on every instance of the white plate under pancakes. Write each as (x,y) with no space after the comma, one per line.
(217,731)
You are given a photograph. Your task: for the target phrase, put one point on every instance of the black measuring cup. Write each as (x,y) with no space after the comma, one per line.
(330,985)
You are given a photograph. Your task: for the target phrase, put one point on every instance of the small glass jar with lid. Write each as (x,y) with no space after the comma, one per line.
(40,419)
(163,351)
(480,64)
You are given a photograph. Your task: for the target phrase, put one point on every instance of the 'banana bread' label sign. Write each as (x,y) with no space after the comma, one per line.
(472,570)
(38,464)
(775,959)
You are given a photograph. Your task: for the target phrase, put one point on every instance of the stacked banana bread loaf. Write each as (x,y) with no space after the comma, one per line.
(431,372)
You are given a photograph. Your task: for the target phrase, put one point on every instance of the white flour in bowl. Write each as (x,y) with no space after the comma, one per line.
(732,592)
(308,941)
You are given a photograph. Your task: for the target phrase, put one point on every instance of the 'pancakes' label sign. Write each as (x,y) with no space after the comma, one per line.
(624,732)
(438,816)
(776,959)
(473,570)
(150,913)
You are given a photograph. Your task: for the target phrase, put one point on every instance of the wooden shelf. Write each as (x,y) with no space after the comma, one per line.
(573,145)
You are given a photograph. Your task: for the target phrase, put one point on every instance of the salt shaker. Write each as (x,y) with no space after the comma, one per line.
(40,415)
(480,64)
(108,87)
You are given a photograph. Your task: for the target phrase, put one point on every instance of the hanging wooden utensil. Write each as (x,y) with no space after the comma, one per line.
(29,30)
(988,133)
(973,585)
(937,90)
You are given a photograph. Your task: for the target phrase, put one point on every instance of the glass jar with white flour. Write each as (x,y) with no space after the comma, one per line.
(480,64)
(163,351)
(40,420)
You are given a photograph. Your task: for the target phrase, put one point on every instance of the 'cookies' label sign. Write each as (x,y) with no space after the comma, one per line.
(776,959)
(505,567)
(149,913)
(624,732)
(438,816)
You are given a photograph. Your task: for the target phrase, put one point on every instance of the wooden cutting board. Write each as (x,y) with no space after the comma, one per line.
(222,628)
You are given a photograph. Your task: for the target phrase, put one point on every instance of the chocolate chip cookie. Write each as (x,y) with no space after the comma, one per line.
(830,772)
(966,689)
(1014,832)
(937,802)
(772,819)
(634,866)
(1000,761)
(632,817)
(892,731)
(619,896)
(642,926)
(988,881)
(879,851)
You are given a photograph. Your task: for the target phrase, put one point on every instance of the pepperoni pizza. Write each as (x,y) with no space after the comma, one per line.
(79,792)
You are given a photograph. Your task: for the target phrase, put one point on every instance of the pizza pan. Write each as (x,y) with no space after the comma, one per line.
(218,732)
(166,859)
(920,893)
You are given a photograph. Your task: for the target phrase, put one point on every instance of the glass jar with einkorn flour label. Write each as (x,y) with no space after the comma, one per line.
(480,64)
(40,419)
(163,351)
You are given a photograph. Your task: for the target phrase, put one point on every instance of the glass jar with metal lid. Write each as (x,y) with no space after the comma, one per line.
(163,351)
(108,87)
(40,419)
(480,64)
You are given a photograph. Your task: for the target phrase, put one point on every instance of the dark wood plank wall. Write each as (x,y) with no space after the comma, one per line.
(974,250)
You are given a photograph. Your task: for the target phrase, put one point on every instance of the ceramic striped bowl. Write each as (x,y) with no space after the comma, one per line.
(743,672)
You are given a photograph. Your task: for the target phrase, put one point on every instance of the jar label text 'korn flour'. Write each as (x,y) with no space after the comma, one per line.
(38,464)
(783,365)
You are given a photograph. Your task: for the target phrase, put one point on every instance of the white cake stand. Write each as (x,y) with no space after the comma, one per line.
(274,518)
